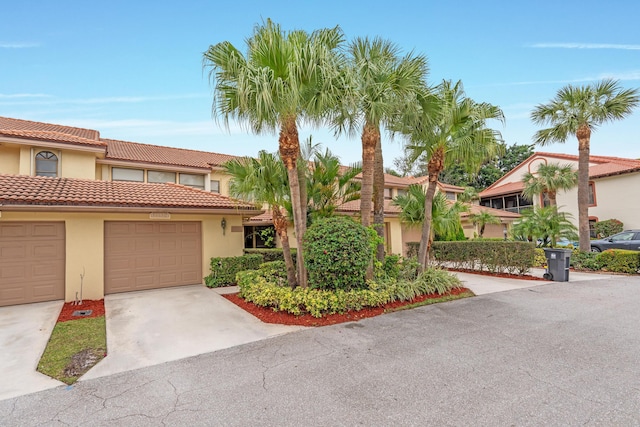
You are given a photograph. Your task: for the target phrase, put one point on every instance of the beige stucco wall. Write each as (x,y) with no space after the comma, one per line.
(77,164)
(616,197)
(25,161)
(9,159)
(85,243)
(409,234)
(224,181)
(394,241)
(532,165)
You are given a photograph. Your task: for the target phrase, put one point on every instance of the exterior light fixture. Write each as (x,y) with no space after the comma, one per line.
(223,224)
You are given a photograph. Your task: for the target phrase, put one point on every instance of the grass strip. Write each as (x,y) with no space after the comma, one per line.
(74,348)
(432,301)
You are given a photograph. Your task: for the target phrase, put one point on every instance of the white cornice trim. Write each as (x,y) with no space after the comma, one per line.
(49,144)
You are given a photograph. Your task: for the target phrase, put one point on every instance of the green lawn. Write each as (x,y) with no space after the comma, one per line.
(74,347)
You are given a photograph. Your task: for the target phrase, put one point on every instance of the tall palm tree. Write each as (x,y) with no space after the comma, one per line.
(380,83)
(283,79)
(264,181)
(548,179)
(445,215)
(456,133)
(577,110)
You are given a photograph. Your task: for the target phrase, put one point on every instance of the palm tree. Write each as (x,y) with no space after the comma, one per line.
(456,134)
(330,184)
(548,179)
(380,84)
(283,79)
(483,218)
(577,110)
(264,181)
(469,195)
(445,215)
(544,224)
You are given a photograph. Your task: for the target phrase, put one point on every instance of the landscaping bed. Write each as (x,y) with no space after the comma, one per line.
(77,343)
(268,315)
(496,274)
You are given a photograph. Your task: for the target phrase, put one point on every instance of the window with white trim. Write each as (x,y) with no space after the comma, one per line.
(46,164)
(160,177)
(191,180)
(215,186)
(126,174)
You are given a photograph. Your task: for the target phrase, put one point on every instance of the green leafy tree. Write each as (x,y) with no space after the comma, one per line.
(380,83)
(483,218)
(457,133)
(549,178)
(577,110)
(469,195)
(284,78)
(264,181)
(544,224)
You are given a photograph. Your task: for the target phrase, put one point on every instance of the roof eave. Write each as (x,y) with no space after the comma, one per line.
(129,209)
(54,144)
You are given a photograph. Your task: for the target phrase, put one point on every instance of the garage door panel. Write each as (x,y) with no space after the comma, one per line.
(152,255)
(32,262)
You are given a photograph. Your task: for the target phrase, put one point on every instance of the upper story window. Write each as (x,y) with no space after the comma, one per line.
(215,186)
(195,181)
(402,192)
(124,174)
(450,195)
(46,164)
(160,177)
(592,194)
(387,193)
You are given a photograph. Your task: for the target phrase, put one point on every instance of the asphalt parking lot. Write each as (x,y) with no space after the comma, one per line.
(555,354)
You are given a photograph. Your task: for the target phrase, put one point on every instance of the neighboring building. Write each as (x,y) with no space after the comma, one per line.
(113,216)
(613,185)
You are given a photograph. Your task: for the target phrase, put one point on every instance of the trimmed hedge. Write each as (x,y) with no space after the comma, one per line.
(272,254)
(493,256)
(224,270)
(620,261)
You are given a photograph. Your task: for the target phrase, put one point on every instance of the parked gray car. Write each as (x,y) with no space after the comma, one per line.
(628,239)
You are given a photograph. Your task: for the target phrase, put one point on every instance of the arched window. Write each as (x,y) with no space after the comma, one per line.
(46,164)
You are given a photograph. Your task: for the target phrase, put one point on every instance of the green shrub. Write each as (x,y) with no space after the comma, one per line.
(409,269)
(493,256)
(431,281)
(585,260)
(337,252)
(317,302)
(390,268)
(273,254)
(619,261)
(223,270)
(608,228)
(540,259)
(274,271)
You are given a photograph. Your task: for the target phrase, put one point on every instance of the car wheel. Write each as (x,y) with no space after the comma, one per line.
(595,249)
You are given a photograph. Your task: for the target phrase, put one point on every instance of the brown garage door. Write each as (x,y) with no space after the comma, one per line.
(31,262)
(150,255)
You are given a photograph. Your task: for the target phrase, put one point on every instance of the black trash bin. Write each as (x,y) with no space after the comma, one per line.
(557,264)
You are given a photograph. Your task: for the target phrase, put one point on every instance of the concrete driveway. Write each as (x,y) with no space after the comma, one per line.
(152,327)
(24,333)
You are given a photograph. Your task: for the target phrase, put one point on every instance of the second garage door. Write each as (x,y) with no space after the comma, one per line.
(150,255)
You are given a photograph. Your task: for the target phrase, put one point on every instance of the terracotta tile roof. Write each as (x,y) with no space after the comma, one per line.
(263,218)
(452,188)
(476,209)
(49,132)
(354,206)
(508,188)
(136,152)
(43,191)
(604,166)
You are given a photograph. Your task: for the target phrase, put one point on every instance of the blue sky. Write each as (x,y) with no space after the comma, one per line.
(133,70)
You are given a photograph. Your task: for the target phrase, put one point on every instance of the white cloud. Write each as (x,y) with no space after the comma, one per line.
(23,95)
(22,100)
(17,45)
(585,46)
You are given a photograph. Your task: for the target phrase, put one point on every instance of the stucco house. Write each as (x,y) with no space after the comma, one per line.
(613,184)
(113,216)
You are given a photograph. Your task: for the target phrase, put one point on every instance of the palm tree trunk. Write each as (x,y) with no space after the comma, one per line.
(280,223)
(434,167)
(302,179)
(553,198)
(584,139)
(370,136)
(378,198)
(289,151)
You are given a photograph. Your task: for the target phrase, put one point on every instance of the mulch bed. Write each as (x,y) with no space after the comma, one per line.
(97,307)
(267,315)
(503,275)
